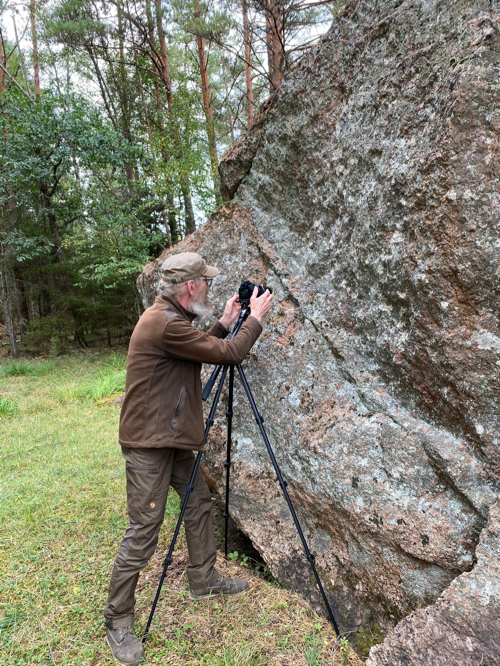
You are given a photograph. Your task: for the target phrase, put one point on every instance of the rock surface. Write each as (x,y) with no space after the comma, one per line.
(438,635)
(368,197)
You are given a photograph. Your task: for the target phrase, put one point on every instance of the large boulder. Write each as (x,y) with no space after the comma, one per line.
(369,201)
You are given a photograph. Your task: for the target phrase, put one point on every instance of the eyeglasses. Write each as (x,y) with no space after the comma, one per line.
(208,281)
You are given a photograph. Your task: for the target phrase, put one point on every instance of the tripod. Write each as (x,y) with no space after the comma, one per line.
(227,464)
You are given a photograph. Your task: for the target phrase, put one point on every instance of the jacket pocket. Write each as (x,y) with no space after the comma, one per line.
(178,410)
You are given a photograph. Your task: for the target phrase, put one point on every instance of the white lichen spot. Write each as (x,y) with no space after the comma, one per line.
(451,195)
(486,340)
(479,429)
(294,399)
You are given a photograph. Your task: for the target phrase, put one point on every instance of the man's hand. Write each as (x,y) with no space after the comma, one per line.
(260,306)
(231,311)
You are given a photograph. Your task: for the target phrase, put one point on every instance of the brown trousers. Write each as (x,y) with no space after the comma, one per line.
(150,472)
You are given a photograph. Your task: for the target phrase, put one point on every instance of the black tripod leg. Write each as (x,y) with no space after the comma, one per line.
(189,490)
(227,464)
(283,484)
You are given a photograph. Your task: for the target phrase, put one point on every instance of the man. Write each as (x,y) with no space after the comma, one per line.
(161,424)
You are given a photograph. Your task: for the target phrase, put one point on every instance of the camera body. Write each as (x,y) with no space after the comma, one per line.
(245,292)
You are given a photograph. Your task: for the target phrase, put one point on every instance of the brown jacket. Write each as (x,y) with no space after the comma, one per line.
(162,405)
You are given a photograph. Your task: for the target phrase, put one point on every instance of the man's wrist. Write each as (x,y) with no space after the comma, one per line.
(259,319)
(225,323)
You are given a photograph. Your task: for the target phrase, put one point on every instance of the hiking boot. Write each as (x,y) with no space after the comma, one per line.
(127,649)
(224,586)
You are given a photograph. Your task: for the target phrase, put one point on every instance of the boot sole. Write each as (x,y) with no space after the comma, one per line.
(122,663)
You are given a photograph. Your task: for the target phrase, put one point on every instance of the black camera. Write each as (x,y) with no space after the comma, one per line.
(246,290)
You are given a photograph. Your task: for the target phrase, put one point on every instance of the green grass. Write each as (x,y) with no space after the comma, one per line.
(7,407)
(108,383)
(24,368)
(62,517)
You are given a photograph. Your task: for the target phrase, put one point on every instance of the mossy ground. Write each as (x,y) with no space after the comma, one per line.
(62,516)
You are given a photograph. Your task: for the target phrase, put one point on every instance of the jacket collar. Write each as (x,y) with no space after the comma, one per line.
(172,303)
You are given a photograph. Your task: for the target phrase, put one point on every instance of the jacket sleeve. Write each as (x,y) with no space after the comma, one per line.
(183,341)
(218,330)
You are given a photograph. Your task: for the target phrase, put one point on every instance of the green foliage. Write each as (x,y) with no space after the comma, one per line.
(244,560)
(344,650)
(82,231)
(313,646)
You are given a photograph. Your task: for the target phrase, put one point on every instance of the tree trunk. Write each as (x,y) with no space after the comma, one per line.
(209,116)
(229,115)
(6,304)
(174,231)
(51,218)
(165,75)
(150,135)
(165,66)
(61,256)
(248,63)
(35,48)
(188,209)
(106,97)
(123,88)
(23,314)
(21,58)
(11,216)
(274,42)
(3,62)
(143,100)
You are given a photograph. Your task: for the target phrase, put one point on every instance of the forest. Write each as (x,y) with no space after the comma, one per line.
(114,117)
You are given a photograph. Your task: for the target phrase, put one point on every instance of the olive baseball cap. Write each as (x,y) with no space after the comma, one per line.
(186,266)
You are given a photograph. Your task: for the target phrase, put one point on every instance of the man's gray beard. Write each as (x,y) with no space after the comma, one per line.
(203,310)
